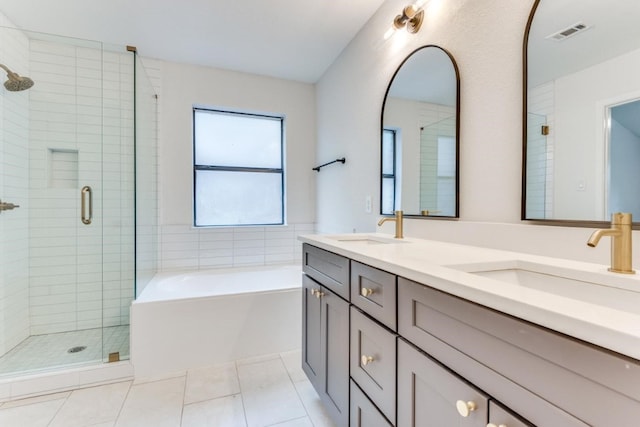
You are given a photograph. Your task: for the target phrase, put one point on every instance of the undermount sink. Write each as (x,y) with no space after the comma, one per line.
(596,288)
(364,239)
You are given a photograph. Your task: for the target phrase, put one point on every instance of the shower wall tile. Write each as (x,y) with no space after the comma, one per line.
(14,179)
(541,102)
(183,247)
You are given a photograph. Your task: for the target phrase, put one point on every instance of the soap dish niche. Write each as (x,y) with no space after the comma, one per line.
(63,168)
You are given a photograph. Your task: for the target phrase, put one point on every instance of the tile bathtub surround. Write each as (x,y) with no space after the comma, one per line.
(183,247)
(265,391)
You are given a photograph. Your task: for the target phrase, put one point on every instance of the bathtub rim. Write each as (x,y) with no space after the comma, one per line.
(297,284)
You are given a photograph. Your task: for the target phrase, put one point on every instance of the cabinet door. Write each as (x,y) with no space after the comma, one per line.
(334,346)
(429,395)
(500,417)
(325,347)
(311,322)
(363,412)
(373,361)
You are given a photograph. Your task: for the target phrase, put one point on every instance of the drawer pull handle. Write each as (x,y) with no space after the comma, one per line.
(365,360)
(465,408)
(365,292)
(494,425)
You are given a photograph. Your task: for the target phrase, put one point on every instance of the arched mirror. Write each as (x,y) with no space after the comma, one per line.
(581,152)
(420,136)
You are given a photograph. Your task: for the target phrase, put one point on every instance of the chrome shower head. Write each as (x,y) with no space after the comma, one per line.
(16,82)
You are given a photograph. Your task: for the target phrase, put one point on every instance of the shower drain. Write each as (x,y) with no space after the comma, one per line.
(76,349)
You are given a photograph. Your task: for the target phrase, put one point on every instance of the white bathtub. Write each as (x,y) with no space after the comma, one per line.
(187,320)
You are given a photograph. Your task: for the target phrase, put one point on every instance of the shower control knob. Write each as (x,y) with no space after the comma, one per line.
(5,206)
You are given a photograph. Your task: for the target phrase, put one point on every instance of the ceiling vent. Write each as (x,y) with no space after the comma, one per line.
(569,32)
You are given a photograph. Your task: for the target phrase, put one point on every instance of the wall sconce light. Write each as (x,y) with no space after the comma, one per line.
(411,18)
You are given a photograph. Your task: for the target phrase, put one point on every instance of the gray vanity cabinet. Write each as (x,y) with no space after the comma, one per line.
(363,413)
(429,395)
(325,347)
(402,353)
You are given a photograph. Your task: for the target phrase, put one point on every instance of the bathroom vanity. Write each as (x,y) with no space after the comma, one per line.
(419,333)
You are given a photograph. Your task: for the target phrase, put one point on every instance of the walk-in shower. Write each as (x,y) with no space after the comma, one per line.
(78,181)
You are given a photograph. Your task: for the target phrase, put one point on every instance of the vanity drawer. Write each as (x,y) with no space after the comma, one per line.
(363,412)
(500,416)
(428,392)
(373,361)
(534,365)
(374,291)
(327,268)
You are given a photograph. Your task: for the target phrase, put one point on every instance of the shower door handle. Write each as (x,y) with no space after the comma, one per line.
(84,195)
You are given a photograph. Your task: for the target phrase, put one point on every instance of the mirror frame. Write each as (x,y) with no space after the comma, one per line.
(384,103)
(525,94)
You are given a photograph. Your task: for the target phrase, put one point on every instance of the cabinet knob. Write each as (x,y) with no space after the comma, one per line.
(365,292)
(317,293)
(365,360)
(494,425)
(465,408)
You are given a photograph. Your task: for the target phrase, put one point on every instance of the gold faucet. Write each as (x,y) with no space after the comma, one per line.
(620,233)
(398,220)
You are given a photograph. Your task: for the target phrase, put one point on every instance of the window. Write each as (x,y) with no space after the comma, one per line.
(237,168)
(388,172)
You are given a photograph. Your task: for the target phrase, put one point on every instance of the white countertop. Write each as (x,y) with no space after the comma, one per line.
(607,313)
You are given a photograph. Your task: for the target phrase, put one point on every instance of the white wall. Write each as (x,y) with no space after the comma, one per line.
(625,177)
(485,37)
(185,247)
(579,126)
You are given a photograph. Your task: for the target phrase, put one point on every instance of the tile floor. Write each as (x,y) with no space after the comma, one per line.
(270,390)
(46,351)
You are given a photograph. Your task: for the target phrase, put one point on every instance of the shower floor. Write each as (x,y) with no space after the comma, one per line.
(43,352)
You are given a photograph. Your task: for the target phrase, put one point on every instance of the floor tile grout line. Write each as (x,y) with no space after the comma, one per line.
(303,403)
(184,395)
(126,396)
(289,420)
(244,408)
(60,408)
(293,383)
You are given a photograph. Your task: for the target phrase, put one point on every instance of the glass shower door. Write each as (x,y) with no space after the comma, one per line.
(14,232)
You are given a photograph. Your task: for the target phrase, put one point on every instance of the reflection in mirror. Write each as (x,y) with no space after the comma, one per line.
(419,138)
(582,111)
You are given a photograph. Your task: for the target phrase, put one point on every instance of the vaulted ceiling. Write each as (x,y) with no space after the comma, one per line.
(290,39)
